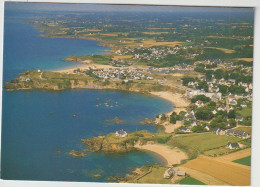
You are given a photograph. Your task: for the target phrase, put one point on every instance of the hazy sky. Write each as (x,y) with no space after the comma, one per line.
(95,7)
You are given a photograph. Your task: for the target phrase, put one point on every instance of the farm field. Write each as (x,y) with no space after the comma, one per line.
(228,51)
(151,42)
(236,155)
(191,181)
(122,57)
(244,59)
(203,177)
(228,172)
(203,141)
(245,161)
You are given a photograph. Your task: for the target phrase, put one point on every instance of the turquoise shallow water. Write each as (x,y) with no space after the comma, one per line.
(35,124)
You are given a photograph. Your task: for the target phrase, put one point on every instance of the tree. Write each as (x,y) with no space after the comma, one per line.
(203,114)
(197,128)
(203,85)
(223,89)
(173,118)
(200,97)
(186,80)
(232,114)
(213,104)
(163,118)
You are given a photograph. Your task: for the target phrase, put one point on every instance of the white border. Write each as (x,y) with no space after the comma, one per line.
(256,98)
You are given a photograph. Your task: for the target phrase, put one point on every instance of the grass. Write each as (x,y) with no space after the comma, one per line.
(122,57)
(191,181)
(245,161)
(247,129)
(247,111)
(218,151)
(155,177)
(203,142)
(143,136)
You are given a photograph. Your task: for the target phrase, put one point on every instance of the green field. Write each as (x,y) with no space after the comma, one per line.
(203,141)
(246,112)
(155,177)
(191,181)
(245,161)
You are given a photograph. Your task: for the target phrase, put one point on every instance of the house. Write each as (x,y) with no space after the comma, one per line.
(239,118)
(243,104)
(181,173)
(221,108)
(207,127)
(27,79)
(233,102)
(190,83)
(215,130)
(230,132)
(214,112)
(199,103)
(189,117)
(121,133)
(184,129)
(195,123)
(232,145)
(214,89)
(169,173)
(218,131)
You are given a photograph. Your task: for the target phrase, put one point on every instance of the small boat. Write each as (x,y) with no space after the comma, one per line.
(74,115)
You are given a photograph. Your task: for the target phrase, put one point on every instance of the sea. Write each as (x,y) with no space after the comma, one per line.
(37,123)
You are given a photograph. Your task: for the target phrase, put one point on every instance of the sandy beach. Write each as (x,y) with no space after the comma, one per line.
(84,67)
(171,155)
(179,102)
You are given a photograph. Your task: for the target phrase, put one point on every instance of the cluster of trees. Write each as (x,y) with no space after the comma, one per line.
(175,117)
(221,122)
(186,80)
(203,98)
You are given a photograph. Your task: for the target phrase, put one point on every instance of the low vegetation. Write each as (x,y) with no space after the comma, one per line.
(245,161)
(191,181)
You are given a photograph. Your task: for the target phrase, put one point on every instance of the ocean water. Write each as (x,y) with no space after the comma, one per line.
(36,124)
(25,50)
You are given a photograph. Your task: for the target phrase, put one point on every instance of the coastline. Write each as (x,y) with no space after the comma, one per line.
(179,102)
(171,155)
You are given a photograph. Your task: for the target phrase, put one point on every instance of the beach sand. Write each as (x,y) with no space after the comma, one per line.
(180,103)
(84,67)
(171,155)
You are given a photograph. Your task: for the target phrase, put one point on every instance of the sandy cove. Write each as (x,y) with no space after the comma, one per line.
(171,155)
(180,103)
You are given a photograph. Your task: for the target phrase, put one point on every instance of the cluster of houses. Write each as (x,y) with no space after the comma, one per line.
(122,74)
(230,132)
(150,53)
